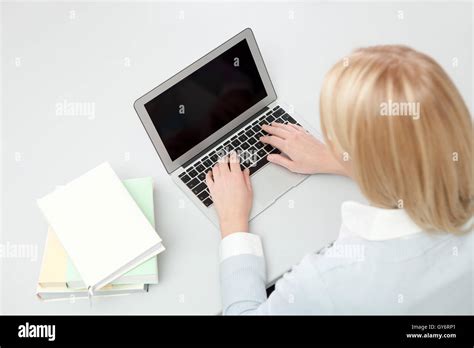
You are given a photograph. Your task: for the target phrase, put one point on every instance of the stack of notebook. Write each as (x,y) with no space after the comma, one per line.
(101,238)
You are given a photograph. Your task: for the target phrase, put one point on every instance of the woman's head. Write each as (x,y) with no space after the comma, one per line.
(401,122)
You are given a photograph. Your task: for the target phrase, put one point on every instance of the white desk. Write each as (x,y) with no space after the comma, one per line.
(110,54)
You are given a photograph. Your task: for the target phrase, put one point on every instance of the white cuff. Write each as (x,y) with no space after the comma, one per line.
(240,243)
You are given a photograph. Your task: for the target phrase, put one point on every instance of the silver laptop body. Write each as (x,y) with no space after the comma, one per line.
(214,106)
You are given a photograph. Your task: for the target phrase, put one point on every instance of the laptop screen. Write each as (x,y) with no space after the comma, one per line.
(206,100)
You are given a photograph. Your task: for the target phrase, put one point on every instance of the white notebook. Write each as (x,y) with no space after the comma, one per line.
(100,226)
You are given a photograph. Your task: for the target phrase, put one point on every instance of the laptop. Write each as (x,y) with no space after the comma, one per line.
(214,106)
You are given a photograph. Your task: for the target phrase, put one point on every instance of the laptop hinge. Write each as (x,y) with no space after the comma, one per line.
(236,129)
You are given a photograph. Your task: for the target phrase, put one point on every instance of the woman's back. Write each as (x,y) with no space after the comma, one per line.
(421,272)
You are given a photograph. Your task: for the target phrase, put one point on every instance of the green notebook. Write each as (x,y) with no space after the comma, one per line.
(141,190)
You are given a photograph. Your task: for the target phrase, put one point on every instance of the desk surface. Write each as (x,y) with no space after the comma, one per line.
(101,56)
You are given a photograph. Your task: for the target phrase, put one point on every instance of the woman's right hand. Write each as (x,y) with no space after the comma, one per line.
(304,153)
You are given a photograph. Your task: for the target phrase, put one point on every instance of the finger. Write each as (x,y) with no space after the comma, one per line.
(234,162)
(224,165)
(281,160)
(209,180)
(274,141)
(278,131)
(296,127)
(215,171)
(247,179)
(283,126)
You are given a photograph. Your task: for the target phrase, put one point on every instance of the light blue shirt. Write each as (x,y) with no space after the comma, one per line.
(382,263)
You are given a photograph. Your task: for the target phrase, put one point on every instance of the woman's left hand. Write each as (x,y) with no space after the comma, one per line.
(231,192)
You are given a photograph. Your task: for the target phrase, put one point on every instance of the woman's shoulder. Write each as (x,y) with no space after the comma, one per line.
(354,254)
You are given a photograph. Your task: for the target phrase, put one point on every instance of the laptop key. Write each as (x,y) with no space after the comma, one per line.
(200,167)
(270,119)
(207,202)
(247,163)
(243,138)
(192,183)
(252,141)
(276,107)
(258,145)
(279,120)
(258,165)
(207,163)
(268,148)
(202,176)
(242,155)
(250,133)
(203,195)
(279,112)
(192,173)
(197,189)
(261,153)
(184,178)
(245,146)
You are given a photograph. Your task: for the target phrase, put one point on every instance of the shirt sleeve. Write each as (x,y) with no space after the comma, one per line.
(240,243)
(243,288)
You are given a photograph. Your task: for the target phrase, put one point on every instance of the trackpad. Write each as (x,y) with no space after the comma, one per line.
(272,181)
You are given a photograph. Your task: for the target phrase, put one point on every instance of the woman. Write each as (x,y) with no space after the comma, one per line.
(394,122)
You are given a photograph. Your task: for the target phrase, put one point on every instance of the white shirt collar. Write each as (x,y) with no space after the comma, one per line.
(373,223)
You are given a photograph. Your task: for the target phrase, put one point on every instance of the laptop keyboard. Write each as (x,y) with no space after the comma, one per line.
(252,153)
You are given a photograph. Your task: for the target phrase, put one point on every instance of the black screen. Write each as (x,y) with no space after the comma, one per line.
(206,100)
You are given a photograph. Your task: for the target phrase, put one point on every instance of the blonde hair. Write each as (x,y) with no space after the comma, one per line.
(420,161)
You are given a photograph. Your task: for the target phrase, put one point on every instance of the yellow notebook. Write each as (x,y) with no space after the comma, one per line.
(53,268)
